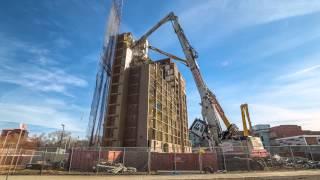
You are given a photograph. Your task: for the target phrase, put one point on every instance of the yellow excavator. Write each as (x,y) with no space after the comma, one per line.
(247,131)
(254,143)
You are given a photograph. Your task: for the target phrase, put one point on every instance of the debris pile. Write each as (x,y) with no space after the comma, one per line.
(113,168)
(293,162)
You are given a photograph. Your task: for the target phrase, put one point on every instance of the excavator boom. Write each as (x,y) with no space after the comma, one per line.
(246,119)
(211,109)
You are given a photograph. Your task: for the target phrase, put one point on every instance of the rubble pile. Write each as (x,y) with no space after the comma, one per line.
(113,168)
(293,162)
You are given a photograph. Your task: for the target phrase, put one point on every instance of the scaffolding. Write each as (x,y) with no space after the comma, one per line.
(98,105)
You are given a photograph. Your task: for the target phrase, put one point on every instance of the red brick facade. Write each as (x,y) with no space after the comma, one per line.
(285,131)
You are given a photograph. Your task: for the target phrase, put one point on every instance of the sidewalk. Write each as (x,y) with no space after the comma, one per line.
(305,175)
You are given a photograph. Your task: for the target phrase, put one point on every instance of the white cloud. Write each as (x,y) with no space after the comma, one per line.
(225,63)
(302,72)
(36,71)
(41,115)
(219,18)
(275,115)
(21,105)
(62,42)
(207,22)
(34,68)
(281,42)
(289,96)
(291,99)
(42,79)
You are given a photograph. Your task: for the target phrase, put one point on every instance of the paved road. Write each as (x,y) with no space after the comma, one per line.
(305,175)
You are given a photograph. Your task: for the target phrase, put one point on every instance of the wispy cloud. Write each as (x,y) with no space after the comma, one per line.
(275,115)
(42,79)
(62,42)
(293,98)
(37,71)
(225,63)
(289,95)
(42,115)
(220,18)
(302,72)
(282,42)
(22,105)
(43,71)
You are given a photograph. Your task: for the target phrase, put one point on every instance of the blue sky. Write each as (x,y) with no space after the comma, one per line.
(264,53)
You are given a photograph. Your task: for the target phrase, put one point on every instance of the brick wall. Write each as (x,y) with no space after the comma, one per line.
(285,131)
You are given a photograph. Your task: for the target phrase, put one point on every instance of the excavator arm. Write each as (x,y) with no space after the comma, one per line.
(246,119)
(211,109)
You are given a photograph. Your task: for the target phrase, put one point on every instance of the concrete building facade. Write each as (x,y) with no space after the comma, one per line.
(146,103)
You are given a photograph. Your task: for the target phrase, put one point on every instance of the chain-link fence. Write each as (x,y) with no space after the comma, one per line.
(141,160)
(32,161)
(109,160)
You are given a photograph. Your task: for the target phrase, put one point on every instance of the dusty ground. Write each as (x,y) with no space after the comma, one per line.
(305,175)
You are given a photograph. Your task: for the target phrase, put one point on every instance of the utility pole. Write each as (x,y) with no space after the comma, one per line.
(62,134)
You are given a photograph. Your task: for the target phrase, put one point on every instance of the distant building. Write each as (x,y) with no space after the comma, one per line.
(263,131)
(308,132)
(285,131)
(13,134)
(299,140)
(284,135)
(10,137)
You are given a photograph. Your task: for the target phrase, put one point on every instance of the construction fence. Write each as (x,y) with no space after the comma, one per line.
(132,160)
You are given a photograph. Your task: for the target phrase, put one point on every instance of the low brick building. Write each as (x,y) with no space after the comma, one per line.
(301,140)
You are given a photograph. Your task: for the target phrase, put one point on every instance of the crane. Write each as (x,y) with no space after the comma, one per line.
(211,108)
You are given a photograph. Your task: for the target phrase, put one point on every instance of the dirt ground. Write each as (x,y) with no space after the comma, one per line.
(305,175)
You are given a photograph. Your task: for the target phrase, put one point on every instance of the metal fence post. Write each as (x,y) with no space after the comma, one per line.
(310,151)
(123,156)
(6,157)
(175,163)
(2,154)
(70,160)
(271,163)
(43,160)
(224,160)
(292,156)
(18,157)
(31,157)
(149,160)
(248,157)
(97,168)
(200,163)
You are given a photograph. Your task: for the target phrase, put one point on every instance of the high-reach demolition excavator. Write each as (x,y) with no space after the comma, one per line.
(209,129)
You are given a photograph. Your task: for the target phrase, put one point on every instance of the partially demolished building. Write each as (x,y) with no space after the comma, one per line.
(147,102)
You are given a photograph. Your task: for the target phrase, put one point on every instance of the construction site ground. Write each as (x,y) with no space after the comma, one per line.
(301,174)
